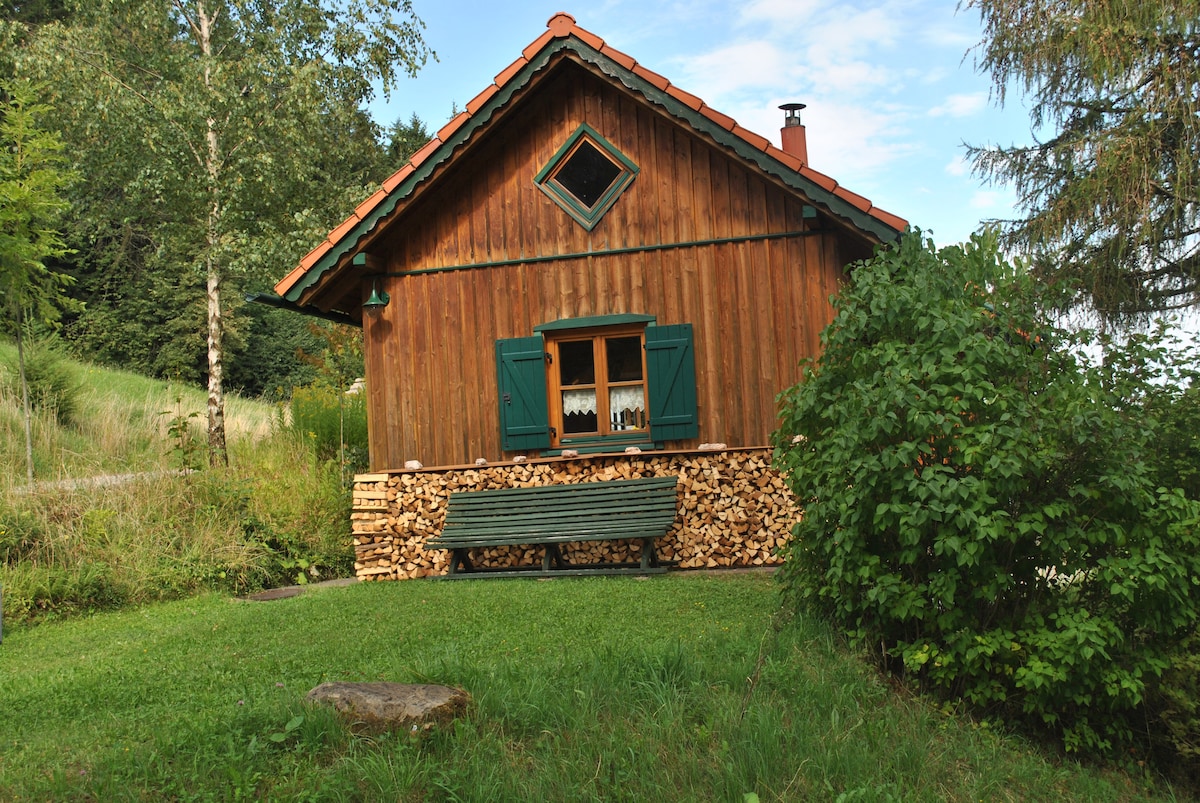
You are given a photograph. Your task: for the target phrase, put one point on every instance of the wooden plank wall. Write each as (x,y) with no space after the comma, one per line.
(757,307)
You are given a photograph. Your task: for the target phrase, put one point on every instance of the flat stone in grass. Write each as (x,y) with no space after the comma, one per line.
(379,707)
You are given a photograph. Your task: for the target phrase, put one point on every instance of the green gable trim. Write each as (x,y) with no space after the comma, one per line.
(814,192)
(594,321)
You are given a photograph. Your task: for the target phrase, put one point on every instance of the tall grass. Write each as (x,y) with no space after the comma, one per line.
(677,688)
(112,521)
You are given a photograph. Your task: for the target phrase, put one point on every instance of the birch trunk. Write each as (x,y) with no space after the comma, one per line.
(218,454)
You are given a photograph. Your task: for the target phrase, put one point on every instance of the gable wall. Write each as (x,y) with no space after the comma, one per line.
(757,307)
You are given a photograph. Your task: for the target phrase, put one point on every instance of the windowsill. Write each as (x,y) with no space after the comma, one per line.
(602,447)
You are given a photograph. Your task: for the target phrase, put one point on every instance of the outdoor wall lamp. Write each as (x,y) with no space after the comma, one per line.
(378,298)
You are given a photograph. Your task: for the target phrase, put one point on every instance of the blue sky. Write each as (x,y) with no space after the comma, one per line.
(891,87)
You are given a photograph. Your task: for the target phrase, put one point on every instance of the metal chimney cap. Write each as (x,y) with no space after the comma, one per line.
(793,114)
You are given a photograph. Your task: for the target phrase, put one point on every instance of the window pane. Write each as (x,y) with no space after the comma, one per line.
(579,411)
(627,408)
(587,174)
(624,358)
(576,363)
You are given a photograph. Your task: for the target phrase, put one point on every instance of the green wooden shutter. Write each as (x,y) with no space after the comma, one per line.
(521,379)
(671,376)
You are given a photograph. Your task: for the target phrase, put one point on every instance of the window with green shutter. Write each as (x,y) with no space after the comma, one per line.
(610,382)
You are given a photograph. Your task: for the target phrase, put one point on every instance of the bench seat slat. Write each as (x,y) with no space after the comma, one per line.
(484,518)
(596,486)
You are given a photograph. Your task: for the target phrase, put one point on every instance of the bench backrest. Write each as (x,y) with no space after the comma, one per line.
(612,508)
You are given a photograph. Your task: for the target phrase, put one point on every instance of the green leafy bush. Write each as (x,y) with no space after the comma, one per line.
(979,503)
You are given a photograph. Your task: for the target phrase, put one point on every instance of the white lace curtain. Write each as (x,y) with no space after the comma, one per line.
(619,399)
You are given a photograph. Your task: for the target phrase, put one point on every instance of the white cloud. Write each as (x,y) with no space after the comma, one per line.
(958,167)
(788,13)
(963,105)
(735,68)
(986,199)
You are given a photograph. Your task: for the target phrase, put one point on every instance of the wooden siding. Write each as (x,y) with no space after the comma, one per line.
(757,306)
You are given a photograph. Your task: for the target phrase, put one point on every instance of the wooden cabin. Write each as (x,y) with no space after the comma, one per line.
(588,261)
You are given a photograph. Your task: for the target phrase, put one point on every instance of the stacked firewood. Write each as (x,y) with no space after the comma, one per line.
(734,510)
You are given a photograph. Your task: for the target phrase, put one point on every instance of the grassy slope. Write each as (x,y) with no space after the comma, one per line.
(590,689)
(121,428)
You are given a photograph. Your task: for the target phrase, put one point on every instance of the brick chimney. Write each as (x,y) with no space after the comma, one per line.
(792,134)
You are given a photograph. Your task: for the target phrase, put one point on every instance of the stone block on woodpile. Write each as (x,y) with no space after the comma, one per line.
(379,707)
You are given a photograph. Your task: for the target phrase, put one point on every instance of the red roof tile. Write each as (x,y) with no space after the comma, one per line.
(456,122)
(620,58)
(368,206)
(344,228)
(588,38)
(760,142)
(651,76)
(312,256)
(536,45)
(723,120)
(562,25)
(426,151)
(397,178)
(820,179)
(862,203)
(310,259)
(476,103)
(506,75)
(788,159)
(685,97)
(895,221)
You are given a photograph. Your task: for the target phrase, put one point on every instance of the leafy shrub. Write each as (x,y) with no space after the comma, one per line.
(1177,464)
(979,502)
(335,421)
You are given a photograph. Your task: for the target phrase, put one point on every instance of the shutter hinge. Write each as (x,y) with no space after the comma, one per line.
(553,432)
(549,358)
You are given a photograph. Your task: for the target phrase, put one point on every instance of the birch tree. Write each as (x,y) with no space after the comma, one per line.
(219,101)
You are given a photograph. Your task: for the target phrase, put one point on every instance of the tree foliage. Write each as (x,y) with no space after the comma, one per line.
(1112,196)
(405,139)
(219,131)
(979,503)
(32,177)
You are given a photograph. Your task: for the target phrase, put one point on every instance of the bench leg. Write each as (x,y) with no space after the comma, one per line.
(457,557)
(649,559)
(553,556)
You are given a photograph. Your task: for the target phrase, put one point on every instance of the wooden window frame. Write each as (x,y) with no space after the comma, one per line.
(601,385)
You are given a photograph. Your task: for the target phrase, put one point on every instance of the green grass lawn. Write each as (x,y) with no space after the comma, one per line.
(682,687)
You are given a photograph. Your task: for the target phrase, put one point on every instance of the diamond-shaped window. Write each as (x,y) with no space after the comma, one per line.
(586,176)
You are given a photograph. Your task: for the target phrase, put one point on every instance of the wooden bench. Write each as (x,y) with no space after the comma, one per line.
(550,515)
